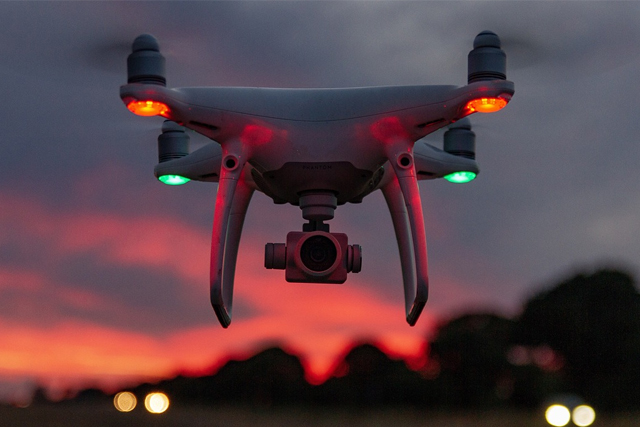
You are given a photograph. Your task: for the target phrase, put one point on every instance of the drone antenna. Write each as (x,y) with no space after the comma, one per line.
(317,207)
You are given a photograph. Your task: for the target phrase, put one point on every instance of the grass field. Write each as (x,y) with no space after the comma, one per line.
(106,415)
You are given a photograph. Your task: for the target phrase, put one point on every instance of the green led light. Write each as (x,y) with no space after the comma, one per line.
(173,179)
(460,177)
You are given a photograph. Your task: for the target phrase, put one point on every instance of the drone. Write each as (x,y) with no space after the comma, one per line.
(317,149)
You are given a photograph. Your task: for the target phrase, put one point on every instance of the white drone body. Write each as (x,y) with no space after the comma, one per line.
(317,149)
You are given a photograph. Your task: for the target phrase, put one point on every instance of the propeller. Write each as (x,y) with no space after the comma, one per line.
(107,55)
(577,55)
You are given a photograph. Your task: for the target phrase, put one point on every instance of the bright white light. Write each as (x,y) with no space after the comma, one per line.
(583,415)
(156,403)
(558,415)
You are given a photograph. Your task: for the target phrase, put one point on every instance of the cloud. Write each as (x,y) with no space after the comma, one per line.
(73,353)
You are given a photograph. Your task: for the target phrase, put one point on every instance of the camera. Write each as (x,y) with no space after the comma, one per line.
(314,257)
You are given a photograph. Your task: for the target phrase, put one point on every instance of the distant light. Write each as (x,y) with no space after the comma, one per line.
(173,179)
(558,415)
(125,401)
(583,415)
(460,177)
(156,402)
(486,105)
(148,108)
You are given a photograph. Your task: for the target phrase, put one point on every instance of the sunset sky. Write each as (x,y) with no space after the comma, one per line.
(104,271)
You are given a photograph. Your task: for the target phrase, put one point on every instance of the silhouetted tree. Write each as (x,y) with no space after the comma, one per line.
(368,377)
(472,353)
(40,397)
(271,377)
(91,395)
(582,336)
(593,322)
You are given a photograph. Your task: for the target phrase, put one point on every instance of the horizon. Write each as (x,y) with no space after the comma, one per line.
(314,376)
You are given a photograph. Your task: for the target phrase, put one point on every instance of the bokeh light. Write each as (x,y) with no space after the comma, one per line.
(125,401)
(156,402)
(583,415)
(558,415)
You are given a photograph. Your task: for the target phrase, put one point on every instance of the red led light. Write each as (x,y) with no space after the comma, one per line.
(486,105)
(253,135)
(148,108)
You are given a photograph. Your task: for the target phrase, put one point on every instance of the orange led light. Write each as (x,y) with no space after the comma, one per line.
(148,108)
(486,105)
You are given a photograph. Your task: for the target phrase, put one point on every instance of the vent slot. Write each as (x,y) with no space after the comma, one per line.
(431,123)
(203,125)
(209,175)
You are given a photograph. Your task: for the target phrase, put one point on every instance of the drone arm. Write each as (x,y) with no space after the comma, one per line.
(400,218)
(401,159)
(172,104)
(232,201)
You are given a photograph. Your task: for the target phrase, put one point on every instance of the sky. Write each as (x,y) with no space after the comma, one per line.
(104,270)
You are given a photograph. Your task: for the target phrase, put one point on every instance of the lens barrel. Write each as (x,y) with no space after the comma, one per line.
(318,253)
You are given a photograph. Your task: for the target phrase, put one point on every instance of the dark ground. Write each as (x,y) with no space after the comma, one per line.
(104,415)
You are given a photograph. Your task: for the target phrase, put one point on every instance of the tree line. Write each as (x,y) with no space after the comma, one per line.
(580,336)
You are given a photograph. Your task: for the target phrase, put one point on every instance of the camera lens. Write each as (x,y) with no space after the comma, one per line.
(318,253)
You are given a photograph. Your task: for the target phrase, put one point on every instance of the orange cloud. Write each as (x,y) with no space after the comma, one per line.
(74,353)
(315,321)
